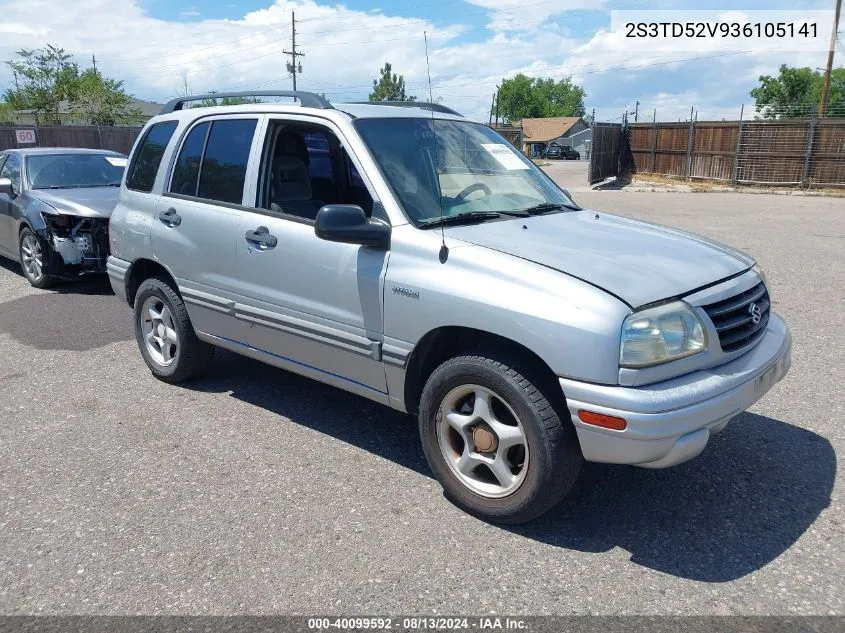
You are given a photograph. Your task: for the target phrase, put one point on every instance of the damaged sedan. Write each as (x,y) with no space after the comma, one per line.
(55,205)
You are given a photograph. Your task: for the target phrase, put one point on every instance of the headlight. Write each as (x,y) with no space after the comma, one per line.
(756,268)
(661,334)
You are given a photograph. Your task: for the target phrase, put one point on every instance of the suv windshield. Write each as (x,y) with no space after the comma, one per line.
(465,168)
(67,171)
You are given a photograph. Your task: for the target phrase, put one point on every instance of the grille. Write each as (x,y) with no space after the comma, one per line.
(734,321)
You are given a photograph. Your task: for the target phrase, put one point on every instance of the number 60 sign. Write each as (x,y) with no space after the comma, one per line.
(25,137)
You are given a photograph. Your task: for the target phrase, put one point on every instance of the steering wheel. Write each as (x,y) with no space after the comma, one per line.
(478,186)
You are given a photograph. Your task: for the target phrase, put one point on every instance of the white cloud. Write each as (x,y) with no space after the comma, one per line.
(345,48)
(191,13)
(508,15)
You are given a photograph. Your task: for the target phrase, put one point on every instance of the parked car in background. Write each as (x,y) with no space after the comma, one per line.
(433,268)
(556,151)
(55,205)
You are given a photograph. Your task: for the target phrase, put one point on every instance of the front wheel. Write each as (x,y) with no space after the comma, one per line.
(33,254)
(494,439)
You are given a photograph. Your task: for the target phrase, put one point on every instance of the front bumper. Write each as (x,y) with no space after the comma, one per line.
(671,421)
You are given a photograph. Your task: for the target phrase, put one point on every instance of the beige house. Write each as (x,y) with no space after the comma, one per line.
(537,134)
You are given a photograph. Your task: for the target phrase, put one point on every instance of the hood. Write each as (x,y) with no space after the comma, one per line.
(88,202)
(638,262)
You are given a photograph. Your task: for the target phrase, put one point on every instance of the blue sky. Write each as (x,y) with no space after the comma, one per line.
(160,46)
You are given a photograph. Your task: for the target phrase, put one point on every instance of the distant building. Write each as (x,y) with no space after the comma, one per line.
(538,134)
(148,110)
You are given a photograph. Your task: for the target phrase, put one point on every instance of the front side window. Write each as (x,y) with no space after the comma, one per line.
(457,166)
(12,170)
(223,171)
(187,169)
(148,155)
(72,171)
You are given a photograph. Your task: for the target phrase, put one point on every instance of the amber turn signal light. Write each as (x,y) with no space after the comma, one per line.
(602,420)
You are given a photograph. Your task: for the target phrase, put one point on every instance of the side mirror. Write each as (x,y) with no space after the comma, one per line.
(6,186)
(348,224)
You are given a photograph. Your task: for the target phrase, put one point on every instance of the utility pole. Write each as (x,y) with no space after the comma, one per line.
(497,107)
(492,105)
(94,61)
(826,84)
(637,112)
(294,67)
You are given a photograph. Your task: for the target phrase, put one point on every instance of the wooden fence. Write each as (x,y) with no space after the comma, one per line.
(119,139)
(804,152)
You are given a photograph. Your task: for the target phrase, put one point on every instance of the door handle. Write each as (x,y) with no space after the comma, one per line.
(261,237)
(170,217)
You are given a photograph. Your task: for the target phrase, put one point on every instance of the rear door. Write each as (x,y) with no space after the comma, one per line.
(195,230)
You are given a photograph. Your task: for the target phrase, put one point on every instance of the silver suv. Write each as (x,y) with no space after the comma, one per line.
(416,258)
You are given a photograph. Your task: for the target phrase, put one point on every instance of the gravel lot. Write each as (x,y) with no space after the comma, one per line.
(256,491)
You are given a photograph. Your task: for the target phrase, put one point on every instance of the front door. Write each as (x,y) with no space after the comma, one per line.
(9,214)
(313,302)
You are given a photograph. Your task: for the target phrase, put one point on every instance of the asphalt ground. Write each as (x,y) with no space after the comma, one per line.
(257,491)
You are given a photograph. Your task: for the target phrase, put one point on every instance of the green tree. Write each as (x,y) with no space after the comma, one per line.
(227,101)
(389,86)
(795,93)
(529,97)
(102,101)
(46,77)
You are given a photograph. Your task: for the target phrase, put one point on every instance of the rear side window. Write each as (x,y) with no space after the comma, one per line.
(187,169)
(223,171)
(147,158)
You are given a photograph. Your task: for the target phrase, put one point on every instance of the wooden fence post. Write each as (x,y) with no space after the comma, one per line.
(738,148)
(654,131)
(689,145)
(811,133)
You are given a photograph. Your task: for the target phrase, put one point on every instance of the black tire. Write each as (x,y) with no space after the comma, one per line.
(555,454)
(45,281)
(193,357)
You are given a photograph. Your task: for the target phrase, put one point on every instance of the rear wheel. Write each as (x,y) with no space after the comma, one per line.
(165,336)
(33,255)
(494,439)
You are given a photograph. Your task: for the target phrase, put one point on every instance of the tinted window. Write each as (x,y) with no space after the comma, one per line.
(187,169)
(224,164)
(12,169)
(147,158)
(319,156)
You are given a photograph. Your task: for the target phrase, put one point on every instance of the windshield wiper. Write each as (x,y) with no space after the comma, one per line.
(547,207)
(462,218)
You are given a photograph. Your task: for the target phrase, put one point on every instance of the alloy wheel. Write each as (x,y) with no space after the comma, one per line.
(482,441)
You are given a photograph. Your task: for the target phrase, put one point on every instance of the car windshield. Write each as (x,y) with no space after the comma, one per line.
(459,166)
(69,171)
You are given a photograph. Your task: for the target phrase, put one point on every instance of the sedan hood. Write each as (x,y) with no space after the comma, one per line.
(88,202)
(638,262)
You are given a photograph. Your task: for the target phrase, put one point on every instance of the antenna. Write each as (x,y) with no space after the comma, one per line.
(444,250)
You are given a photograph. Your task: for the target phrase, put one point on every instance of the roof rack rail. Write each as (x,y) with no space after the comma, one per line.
(308,99)
(424,105)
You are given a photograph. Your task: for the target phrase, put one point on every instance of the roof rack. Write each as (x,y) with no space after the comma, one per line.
(308,99)
(424,105)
